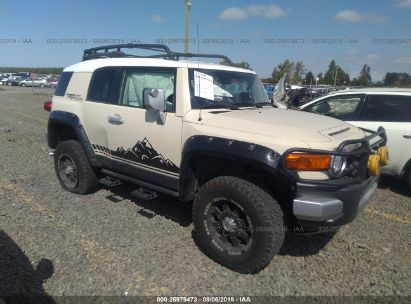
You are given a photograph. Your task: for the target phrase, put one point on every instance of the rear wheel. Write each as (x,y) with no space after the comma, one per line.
(73,169)
(238,224)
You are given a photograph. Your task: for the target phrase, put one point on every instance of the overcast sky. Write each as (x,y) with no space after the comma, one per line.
(47,33)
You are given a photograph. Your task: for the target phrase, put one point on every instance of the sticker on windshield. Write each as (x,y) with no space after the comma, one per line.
(203,85)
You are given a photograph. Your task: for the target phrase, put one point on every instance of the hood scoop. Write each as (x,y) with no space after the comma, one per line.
(336,132)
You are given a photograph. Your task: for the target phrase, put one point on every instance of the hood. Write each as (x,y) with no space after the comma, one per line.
(278,123)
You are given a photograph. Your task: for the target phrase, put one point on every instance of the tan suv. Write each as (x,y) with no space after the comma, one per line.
(207,133)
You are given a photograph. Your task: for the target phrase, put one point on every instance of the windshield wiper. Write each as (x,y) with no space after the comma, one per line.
(221,106)
(252,104)
(261,104)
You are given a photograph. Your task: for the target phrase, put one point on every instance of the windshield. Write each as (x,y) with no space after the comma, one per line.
(225,89)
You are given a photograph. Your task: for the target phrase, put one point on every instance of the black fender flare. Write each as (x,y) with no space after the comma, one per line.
(243,152)
(72,121)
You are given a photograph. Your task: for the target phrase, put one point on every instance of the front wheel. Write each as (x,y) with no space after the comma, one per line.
(73,169)
(238,224)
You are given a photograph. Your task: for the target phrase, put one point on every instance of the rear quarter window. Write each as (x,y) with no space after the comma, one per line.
(63,83)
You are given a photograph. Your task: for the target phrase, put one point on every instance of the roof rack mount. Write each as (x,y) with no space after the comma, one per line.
(115,51)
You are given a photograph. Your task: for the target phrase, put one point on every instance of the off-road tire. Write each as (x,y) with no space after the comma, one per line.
(265,214)
(86,177)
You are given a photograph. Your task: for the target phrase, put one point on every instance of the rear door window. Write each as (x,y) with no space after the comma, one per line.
(388,108)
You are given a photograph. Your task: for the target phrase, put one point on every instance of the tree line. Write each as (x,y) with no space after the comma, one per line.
(334,76)
(296,71)
(52,70)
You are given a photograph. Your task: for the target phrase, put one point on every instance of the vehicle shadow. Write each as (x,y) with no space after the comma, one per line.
(168,207)
(295,244)
(299,244)
(393,184)
(19,281)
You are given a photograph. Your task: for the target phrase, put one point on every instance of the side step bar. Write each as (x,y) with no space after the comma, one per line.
(109,181)
(147,185)
(144,194)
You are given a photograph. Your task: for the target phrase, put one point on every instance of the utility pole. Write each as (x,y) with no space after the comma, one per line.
(335,76)
(187,25)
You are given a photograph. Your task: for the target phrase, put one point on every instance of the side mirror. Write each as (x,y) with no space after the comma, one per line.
(154,101)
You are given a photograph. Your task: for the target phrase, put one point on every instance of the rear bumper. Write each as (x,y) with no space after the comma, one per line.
(318,205)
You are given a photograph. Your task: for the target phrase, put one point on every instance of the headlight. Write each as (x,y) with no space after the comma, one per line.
(337,166)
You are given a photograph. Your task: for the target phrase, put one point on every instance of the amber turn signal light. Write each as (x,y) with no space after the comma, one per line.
(307,162)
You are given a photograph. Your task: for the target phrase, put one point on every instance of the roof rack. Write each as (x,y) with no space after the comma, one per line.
(115,51)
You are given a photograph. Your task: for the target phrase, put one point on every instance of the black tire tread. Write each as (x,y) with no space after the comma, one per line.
(88,182)
(267,207)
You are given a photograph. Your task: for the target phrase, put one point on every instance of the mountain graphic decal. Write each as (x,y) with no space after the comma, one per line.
(142,153)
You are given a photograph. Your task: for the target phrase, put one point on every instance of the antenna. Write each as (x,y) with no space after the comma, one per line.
(187,25)
(198,67)
(198,48)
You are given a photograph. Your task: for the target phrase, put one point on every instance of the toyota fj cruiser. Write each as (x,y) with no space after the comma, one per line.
(207,133)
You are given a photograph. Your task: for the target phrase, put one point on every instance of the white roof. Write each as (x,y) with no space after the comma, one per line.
(92,65)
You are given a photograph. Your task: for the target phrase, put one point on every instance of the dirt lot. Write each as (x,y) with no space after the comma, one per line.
(109,243)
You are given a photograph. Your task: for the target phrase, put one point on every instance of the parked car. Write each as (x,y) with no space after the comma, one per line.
(14,80)
(35,82)
(5,77)
(207,134)
(3,80)
(369,109)
(24,74)
(269,89)
(53,81)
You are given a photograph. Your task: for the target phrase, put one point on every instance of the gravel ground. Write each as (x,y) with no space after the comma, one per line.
(109,243)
